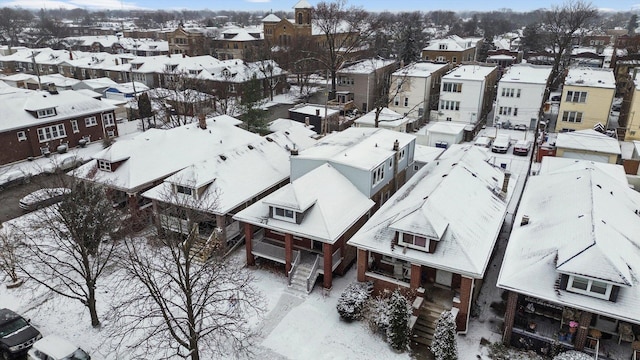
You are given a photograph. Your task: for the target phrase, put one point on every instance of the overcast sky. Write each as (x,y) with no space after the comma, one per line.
(286,5)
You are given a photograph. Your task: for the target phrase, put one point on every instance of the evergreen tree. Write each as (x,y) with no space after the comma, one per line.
(444,345)
(398,331)
(633,24)
(253,116)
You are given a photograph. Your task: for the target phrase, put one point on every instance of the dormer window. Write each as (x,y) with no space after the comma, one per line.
(184,190)
(283,214)
(46,113)
(443,47)
(414,240)
(595,288)
(104,165)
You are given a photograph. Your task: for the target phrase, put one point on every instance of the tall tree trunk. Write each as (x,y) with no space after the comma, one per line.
(91,304)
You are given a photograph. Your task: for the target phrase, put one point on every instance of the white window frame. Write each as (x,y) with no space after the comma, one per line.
(588,291)
(377,175)
(452,87)
(185,190)
(406,101)
(22,136)
(576,96)
(44,113)
(52,132)
(572,116)
(108,120)
(74,126)
(104,165)
(449,105)
(283,214)
(412,243)
(90,121)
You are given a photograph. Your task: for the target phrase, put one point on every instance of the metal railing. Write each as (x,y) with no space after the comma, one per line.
(311,279)
(294,265)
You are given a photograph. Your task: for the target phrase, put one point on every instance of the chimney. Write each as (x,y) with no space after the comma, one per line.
(318,112)
(396,145)
(294,151)
(306,120)
(70,55)
(202,122)
(525,220)
(505,182)
(52,89)
(184,55)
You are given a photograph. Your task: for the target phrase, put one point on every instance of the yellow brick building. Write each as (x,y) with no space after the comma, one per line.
(587,96)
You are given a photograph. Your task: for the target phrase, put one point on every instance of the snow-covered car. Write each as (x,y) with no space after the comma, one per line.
(62,163)
(14,177)
(501,144)
(522,147)
(42,198)
(16,335)
(52,347)
(520,127)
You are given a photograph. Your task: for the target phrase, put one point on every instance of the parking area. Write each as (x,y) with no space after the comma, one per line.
(10,197)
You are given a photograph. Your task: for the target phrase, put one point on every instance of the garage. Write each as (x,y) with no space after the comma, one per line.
(586,156)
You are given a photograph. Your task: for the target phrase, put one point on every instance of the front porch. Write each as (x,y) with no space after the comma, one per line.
(544,327)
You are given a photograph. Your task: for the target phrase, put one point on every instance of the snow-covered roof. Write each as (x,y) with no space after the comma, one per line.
(591,77)
(285,124)
(553,164)
(387,119)
(452,43)
(426,154)
(588,140)
(271,18)
(14,107)
(582,223)
(129,88)
(501,57)
(265,162)
(241,34)
(446,127)
(156,154)
(311,110)
(366,66)
(302,4)
(98,83)
(359,147)
(526,73)
(420,69)
(455,200)
(469,72)
(333,206)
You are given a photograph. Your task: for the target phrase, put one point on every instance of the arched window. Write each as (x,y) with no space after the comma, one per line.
(300,18)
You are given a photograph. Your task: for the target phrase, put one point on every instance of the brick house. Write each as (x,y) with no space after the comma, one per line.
(36,123)
(452,49)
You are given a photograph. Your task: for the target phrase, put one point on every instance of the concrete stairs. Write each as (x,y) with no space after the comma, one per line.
(201,250)
(299,279)
(425,325)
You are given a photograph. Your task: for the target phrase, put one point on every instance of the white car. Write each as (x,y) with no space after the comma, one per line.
(11,178)
(62,163)
(501,144)
(53,347)
(43,197)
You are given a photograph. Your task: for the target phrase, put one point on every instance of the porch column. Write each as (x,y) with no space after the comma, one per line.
(156,215)
(416,276)
(221,222)
(327,251)
(363,262)
(466,292)
(583,329)
(248,241)
(288,251)
(509,316)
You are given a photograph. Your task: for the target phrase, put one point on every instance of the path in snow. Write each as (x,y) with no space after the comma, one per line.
(285,304)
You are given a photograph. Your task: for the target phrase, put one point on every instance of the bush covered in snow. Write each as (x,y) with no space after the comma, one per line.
(444,346)
(377,314)
(398,331)
(353,299)
(573,355)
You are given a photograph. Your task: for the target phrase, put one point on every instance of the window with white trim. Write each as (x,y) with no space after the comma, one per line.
(46,113)
(511,92)
(441,59)
(576,96)
(107,120)
(449,105)
(572,116)
(90,121)
(589,287)
(452,87)
(378,175)
(51,133)
(104,165)
(283,214)
(22,136)
(414,240)
(504,110)
(442,46)
(74,126)
(406,101)
(396,101)
(184,190)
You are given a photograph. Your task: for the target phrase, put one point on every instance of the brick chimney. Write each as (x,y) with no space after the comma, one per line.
(317,112)
(202,122)
(505,182)
(396,145)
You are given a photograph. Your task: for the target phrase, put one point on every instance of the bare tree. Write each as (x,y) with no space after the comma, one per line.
(69,246)
(561,24)
(13,22)
(346,32)
(10,241)
(186,298)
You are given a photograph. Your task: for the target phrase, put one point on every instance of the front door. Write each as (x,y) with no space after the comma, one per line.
(444,278)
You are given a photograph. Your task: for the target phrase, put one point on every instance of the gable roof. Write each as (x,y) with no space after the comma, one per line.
(271,18)
(595,237)
(302,4)
(333,206)
(455,200)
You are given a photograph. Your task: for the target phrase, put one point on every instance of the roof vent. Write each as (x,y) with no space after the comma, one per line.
(224,158)
(250,147)
(524,220)
(269,139)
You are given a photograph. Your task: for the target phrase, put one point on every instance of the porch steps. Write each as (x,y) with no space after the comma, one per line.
(299,279)
(201,251)
(425,325)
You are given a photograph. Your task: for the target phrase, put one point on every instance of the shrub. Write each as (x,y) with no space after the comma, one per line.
(353,299)
(444,345)
(572,355)
(398,331)
(378,314)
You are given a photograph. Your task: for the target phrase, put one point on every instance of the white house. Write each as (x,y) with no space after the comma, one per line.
(441,134)
(416,88)
(387,119)
(520,94)
(465,93)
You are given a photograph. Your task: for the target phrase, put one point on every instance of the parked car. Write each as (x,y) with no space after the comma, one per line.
(16,335)
(12,178)
(522,147)
(483,141)
(62,163)
(520,127)
(501,144)
(52,347)
(42,198)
